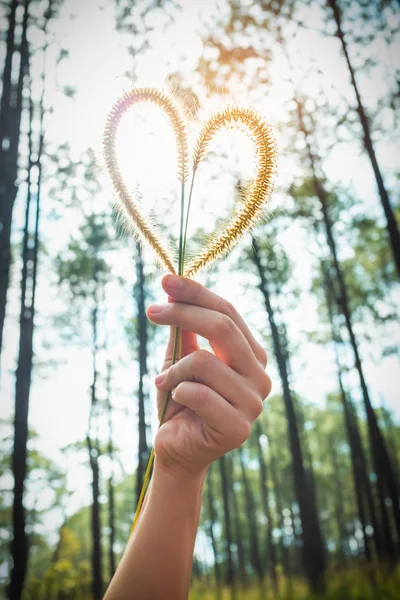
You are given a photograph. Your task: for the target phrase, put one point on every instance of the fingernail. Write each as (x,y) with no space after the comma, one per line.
(154,309)
(173,282)
(159,379)
(173,393)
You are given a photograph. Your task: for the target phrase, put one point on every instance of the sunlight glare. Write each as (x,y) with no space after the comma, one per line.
(146,152)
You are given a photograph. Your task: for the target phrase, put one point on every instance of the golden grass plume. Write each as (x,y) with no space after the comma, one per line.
(259,191)
(137,221)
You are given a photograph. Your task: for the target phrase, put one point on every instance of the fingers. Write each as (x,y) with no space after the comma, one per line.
(188,291)
(205,368)
(223,424)
(189,344)
(225,337)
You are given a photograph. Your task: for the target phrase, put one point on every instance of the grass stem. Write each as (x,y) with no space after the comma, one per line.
(177,348)
(187,219)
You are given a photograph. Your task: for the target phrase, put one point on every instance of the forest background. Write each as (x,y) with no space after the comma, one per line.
(310,504)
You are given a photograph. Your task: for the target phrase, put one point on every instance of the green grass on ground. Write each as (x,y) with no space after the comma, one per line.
(352,584)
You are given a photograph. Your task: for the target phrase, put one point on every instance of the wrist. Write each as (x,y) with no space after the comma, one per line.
(177,494)
(177,477)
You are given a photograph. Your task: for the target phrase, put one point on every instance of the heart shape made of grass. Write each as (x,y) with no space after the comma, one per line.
(254,198)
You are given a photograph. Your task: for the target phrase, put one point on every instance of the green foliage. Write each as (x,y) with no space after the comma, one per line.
(82,263)
(67,574)
(351,584)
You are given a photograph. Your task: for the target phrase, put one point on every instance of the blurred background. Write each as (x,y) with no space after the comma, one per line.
(310,504)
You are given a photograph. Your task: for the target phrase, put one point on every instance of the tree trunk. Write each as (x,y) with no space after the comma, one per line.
(230,572)
(196,571)
(362,484)
(382,464)
(7,85)
(111,500)
(237,525)
(390,435)
(251,517)
(339,505)
(314,560)
(264,492)
(284,551)
(10,120)
(381,460)
(142,339)
(19,545)
(213,520)
(94,454)
(97,580)
(391,223)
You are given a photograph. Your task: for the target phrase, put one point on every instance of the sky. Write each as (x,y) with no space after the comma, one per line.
(96,66)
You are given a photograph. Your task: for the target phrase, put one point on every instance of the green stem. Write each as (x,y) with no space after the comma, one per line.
(187,219)
(146,479)
(175,357)
(181,256)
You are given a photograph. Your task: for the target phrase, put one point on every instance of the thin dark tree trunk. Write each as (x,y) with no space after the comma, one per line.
(196,569)
(7,84)
(362,484)
(251,517)
(97,583)
(339,505)
(308,460)
(381,460)
(314,559)
(6,92)
(390,435)
(297,558)
(391,224)
(94,454)
(270,546)
(378,535)
(10,120)
(111,500)
(19,545)
(284,552)
(213,520)
(382,465)
(142,339)
(230,571)
(237,525)
(30,250)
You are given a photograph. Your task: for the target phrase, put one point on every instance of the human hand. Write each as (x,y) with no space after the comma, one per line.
(215,396)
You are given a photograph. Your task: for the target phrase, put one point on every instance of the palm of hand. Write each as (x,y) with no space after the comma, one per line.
(183,439)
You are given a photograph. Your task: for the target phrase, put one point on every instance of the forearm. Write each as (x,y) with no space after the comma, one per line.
(157,563)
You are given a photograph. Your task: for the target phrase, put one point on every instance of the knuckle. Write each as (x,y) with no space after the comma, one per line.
(199,393)
(195,289)
(224,326)
(241,432)
(189,393)
(167,364)
(199,361)
(256,404)
(265,385)
(171,375)
(174,312)
(262,356)
(181,392)
(227,308)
